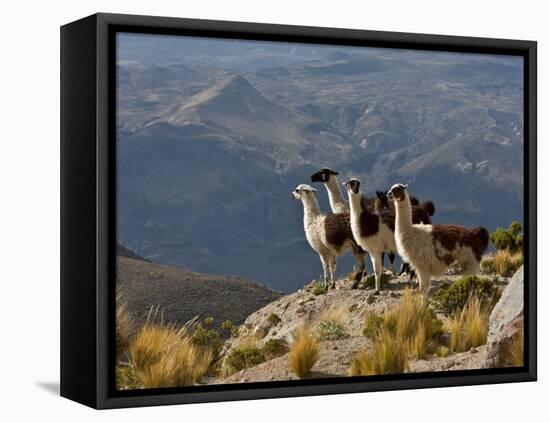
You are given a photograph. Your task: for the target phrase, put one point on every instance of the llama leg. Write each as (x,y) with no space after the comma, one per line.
(325,262)
(333,272)
(469,267)
(424,282)
(359,267)
(377,265)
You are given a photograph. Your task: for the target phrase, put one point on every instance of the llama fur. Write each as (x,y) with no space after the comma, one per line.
(431,249)
(327,234)
(369,230)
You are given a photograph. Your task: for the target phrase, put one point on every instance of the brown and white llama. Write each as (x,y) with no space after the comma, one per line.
(339,205)
(328,234)
(370,231)
(431,249)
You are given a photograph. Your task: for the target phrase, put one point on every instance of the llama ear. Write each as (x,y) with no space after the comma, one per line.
(405,186)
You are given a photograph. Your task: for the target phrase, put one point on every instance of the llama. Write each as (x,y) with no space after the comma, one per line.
(431,249)
(421,213)
(339,205)
(370,230)
(328,234)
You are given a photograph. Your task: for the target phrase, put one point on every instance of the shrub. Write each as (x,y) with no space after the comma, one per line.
(124,326)
(163,356)
(509,239)
(208,321)
(330,330)
(230,328)
(207,340)
(469,327)
(507,263)
(372,324)
(239,359)
(451,298)
(442,351)
(273,319)
(304,352)
(370,281)
(488,266)
(331,324)
(318,288)
(274,348)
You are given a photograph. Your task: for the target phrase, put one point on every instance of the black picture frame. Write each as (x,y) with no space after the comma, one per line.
(88,195)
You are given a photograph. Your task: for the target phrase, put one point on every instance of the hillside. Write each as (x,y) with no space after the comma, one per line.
(181,294)
(352,306)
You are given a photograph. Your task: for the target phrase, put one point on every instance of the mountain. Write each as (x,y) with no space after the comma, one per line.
(181,294)
(208,155)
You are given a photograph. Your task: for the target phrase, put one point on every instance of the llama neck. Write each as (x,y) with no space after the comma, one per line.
(403,214)
(355,205)
(337,202)
(311,208)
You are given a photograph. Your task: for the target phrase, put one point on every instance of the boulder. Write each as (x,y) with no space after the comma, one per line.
(505,322)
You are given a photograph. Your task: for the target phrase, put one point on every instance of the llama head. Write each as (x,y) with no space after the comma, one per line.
(383,198)
(323,175)
(397,192)
(303,191)
(352,185)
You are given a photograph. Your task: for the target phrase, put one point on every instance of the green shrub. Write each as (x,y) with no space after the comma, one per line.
(488,265)
(207,339)
(230,328)
(239,359)
(274,348)
(273,319)
(318,288)
(208,321)
(510,239)
(451,298)
(331,330)
(373,323)
(370,281)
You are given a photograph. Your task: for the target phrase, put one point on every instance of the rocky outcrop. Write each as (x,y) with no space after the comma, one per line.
(505,323)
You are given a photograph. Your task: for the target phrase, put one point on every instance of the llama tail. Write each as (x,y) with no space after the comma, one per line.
(483,235)
(428,207)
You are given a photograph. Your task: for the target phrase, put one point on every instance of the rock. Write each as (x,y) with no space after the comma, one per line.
(393,294)
(352,307)
(505,322)
(260,331)
(371,299)
(473,350)
(448,364)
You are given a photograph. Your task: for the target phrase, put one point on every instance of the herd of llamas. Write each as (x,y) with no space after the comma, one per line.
(391,223)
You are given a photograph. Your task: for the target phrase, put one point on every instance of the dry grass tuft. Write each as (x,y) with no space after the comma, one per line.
(304,352)
(515,355)
(506,263)
(387,356)
(124,326)
(164,356)
(410,329)
(469,327)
